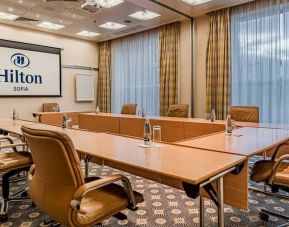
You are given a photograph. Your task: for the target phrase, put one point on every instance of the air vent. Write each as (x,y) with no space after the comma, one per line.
(25,19)
(130,30)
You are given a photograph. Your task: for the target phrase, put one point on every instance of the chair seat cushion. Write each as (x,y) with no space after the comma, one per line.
(282,177)
(262,171)
(99,204)
(14,160)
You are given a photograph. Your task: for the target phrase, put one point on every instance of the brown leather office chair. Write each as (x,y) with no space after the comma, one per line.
(244,113)
(178,110)
(50,107)
(129,109)
(59,188)
(11,164)
(275,173)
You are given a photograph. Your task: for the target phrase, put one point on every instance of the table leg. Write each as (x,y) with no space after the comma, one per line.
(264,158)
(220,182)
(202,214)
(86,167)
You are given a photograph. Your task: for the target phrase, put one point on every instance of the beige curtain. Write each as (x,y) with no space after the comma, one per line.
(218,63)
(104,76)
(169,57)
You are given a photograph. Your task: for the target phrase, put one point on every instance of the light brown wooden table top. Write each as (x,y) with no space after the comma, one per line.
(16,129)
(199,120)
(186,164)
(11,122)
(61,112)
(246,141)
(181,163)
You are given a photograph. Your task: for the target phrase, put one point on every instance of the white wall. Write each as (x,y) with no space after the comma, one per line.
(75,52)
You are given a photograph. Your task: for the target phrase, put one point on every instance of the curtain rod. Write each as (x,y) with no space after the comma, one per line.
(79,67)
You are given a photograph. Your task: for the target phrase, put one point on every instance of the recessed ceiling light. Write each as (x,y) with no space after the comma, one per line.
(87,34)
(144,15)
(61,21)
(74,15)
(8,16)
(112,25)
(20,1)
(104,3)
(196,2)
(10,9)
(50,25)
(37,15)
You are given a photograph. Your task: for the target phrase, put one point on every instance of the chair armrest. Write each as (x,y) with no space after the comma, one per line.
(9,140)
(94,185)
(12,145)
(276,152)
(31,172)
(277,166)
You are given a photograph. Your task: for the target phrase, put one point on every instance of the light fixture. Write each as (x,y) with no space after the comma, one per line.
(196,2)
(144,15)
(49,25)
(10,9)
(8,16)
(112,26)
(87,34)
(103,3)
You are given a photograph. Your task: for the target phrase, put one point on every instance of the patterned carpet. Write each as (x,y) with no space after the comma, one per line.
(163,206)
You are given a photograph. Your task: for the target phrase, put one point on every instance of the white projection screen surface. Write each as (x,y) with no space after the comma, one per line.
(28,70)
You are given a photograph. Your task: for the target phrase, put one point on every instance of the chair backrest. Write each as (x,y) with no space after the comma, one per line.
(57,172)
(244,113)
(50,107)
(128,109)
(178,110)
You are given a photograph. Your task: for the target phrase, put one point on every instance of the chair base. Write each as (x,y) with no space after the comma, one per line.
(120,216)
(265,214)
(21,195)
(51,223)
(13,198)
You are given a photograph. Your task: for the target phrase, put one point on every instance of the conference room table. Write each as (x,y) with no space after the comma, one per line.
(213,166)
(55,118)
(173,129)
(247,141)
(177,166)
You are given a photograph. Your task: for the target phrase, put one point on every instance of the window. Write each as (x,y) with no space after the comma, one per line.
(135,72)
(260,59)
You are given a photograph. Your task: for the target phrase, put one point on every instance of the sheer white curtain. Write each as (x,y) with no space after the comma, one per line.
(260,58)
(135,72)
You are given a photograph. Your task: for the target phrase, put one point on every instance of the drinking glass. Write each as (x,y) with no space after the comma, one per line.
(157,134)
(16,116)
(139,113)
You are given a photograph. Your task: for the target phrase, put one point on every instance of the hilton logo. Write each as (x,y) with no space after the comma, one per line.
(16,76)
(20,60)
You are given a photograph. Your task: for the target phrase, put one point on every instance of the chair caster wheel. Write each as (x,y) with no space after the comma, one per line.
(264,216)
(133,208)
(3,217)
(24,194)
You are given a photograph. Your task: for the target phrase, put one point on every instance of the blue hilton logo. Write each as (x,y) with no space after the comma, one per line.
(20,60)
(16,76)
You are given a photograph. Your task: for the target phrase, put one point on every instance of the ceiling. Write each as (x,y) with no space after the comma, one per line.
(75,19)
